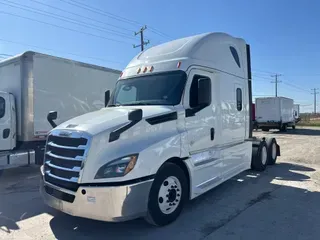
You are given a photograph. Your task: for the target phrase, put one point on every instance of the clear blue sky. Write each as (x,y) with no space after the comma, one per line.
(284,34)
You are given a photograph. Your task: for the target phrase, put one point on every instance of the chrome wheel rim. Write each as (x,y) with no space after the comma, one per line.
(264,155)
(169,196)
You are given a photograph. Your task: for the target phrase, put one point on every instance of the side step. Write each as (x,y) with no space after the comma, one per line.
(15,159)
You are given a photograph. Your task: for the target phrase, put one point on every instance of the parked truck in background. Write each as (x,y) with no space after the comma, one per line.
(178,123)
(296,112)
(31,84)
(254,122)
(274,113)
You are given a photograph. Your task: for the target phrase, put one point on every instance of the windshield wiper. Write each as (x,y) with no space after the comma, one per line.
(137,103)
(114,105)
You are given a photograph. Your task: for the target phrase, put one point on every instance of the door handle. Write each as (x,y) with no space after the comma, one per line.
(212,134)
(6,133)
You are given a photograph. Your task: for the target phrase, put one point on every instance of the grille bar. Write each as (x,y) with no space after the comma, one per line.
(73,179)
(65,158)
(52,144)
(74,169)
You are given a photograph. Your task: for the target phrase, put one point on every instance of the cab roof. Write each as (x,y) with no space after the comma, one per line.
(215,50)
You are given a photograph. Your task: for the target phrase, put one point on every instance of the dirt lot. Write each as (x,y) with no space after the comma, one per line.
(280,203)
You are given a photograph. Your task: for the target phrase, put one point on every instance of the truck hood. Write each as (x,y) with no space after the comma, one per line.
(109,118)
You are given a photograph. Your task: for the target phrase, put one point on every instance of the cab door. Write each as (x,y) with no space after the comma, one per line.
(7,122)
(201,121)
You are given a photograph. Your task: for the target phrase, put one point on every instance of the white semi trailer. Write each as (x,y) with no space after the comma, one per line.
(31,84)
(275,113)
(178,123)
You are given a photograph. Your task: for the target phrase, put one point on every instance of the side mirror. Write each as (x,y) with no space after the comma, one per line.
(135,115)
(106,97)
(204,91)
(53,115)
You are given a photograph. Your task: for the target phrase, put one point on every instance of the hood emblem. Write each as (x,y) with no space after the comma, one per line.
(65,134)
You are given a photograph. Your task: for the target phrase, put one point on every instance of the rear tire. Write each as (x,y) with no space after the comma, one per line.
(259,159)
(284,128)
(167,196)
(272,151)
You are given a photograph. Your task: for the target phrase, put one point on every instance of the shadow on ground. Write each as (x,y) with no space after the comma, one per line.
(252,198)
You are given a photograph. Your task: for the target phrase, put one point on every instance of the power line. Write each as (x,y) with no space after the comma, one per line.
(69,53)
(262,77)
(5,55)
(315,92)
(82,16)
(67,19)
(99,11)
(58,26)
(110,15)
(295,86)
(263,71)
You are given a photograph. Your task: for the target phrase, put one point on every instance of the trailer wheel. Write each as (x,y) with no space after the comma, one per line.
(272,150)
(283,128)
(167,195)
(259,159)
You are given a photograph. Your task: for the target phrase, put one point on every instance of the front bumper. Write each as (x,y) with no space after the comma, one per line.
(269,124)
(112,204)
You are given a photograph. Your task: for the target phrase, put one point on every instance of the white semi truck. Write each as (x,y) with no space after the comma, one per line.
(31,84)
(275,113)
(178,123)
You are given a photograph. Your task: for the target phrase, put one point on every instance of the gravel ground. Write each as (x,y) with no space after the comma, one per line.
(280,203)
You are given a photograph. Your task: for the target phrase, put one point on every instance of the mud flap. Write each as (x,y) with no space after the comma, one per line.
(278,150)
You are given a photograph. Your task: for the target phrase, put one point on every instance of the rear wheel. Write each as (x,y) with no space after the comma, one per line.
(284,128)
(259,159)
(272,151)
(167,195)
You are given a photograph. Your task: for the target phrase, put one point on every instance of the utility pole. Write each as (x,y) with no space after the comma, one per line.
(276,83)
(315,99)
(142,42)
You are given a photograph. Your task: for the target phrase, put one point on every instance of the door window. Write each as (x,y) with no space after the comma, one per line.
(2,107)
(194,93)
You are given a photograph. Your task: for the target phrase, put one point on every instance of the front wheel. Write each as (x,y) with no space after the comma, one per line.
(167,196)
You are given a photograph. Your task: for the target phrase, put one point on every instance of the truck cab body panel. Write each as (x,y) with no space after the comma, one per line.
(7,122)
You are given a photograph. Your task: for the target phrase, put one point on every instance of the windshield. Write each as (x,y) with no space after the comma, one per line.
(156,89)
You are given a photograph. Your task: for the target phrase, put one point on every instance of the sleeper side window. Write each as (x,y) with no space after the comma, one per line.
(235,55)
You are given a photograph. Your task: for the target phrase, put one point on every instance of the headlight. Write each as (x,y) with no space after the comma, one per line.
(118,167)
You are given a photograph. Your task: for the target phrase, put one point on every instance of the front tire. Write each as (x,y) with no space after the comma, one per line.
(167,196)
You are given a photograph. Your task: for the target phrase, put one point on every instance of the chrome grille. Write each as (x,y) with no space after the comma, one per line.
(64,156)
